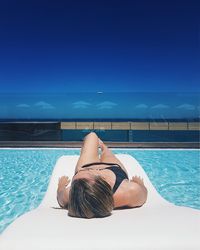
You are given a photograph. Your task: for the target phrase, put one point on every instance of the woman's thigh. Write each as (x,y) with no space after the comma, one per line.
(108,156)
(89,151)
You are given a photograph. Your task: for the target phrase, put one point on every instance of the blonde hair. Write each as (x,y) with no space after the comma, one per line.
(88,199)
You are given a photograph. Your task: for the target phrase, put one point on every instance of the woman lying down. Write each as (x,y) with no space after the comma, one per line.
(100,183)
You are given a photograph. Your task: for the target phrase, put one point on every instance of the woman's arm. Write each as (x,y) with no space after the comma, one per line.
(133,194)
(136,195)
(63,191)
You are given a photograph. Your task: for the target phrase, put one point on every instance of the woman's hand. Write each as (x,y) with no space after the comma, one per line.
(63,192)
(138,180)
(63,181)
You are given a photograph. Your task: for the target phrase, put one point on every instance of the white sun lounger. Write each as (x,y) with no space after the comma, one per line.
(157,225)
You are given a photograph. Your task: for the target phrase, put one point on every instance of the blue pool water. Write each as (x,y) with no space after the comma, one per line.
(25,174)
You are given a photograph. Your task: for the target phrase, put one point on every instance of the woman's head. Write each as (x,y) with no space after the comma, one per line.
(90,198)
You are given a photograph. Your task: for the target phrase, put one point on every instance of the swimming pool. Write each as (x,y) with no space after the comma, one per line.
(25,173)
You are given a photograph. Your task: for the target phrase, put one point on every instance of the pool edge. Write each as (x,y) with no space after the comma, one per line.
(72,144)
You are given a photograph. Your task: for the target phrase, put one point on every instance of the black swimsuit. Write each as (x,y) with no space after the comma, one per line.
(115,168)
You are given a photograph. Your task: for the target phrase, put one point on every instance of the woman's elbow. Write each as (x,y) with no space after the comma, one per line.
(144,194)
(139,196)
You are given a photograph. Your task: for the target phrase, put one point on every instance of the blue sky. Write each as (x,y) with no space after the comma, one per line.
(52,47)
(107,45)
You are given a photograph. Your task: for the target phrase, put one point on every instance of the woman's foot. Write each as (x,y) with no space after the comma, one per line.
(102,145)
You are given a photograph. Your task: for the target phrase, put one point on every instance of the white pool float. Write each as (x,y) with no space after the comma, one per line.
(156,225)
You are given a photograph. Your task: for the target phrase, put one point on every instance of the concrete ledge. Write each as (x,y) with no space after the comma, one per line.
(159,126)
(121,125)
(68,125)
(131,125)
(178,126)
(102,125)
(73,144)
(84,125)
(140,125)
(194,126)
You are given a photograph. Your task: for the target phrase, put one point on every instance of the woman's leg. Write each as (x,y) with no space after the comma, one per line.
(108,156)
(89,151)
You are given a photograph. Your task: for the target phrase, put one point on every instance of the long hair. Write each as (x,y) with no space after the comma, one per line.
(90,198)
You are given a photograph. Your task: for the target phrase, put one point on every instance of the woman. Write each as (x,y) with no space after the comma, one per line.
(99,184)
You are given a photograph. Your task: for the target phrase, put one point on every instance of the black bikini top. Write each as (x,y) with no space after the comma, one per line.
(115,168)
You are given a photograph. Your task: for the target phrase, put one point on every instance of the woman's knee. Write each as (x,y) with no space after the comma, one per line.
(91,135)
(91,138)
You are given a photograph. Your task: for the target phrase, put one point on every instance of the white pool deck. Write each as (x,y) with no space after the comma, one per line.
(156,225)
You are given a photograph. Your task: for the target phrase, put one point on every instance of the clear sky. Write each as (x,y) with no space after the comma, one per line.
(149,50)
(99,45)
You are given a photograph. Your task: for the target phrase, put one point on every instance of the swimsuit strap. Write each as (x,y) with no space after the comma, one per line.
(120,176)
(115,168)
(100,163)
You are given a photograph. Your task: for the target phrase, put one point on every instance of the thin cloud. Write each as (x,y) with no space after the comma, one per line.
(160,106)
(106,105)
(141,106)
(80,105)
(44,105)
(186,106)
(23,105)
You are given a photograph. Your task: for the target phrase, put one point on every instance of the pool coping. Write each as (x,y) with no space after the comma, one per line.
(73,144)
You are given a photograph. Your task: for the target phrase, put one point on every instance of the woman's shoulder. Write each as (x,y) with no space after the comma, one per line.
(130,194)
(120,196)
